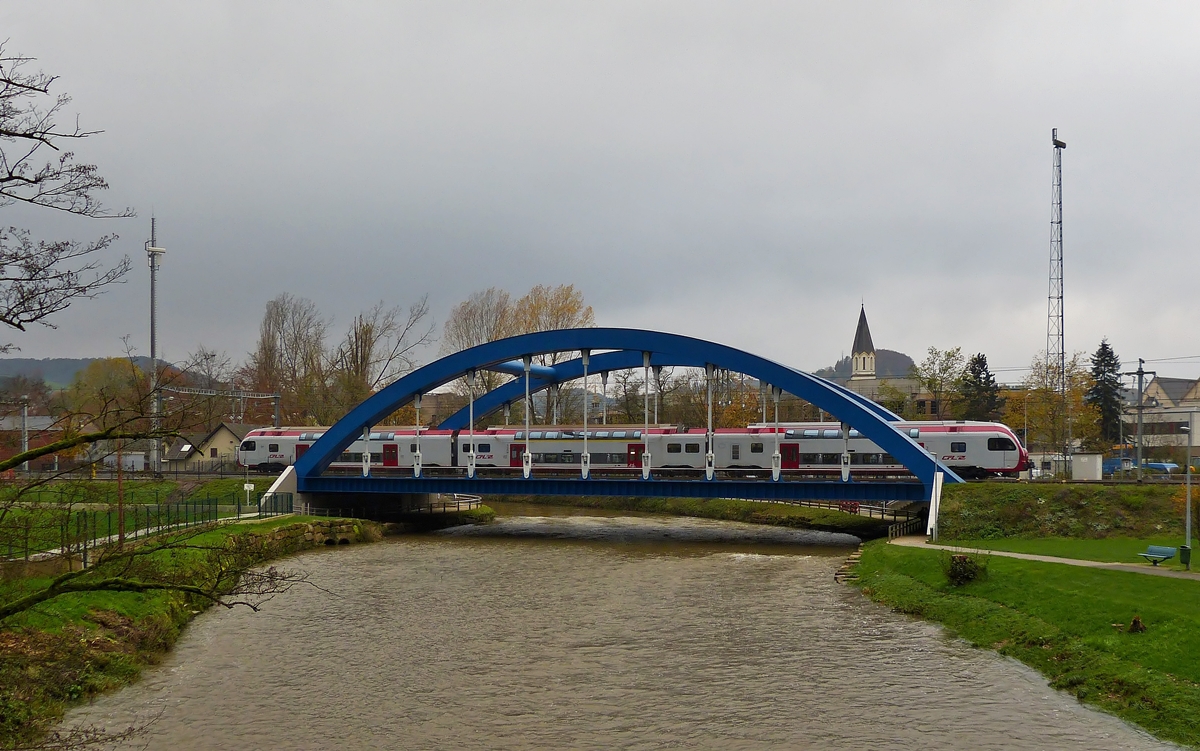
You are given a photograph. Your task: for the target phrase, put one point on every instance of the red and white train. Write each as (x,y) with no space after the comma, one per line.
(973,449)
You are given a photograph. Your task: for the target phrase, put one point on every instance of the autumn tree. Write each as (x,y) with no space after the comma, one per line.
(1048,420)
(492,314)
(1105,392)
(979,394)
(940,375)
(42,277)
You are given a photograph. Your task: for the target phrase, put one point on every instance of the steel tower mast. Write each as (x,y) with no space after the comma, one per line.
(1056,354)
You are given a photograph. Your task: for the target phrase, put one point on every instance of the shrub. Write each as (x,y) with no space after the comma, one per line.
(963,568)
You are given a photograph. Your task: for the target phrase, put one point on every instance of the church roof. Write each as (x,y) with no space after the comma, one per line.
(862,337)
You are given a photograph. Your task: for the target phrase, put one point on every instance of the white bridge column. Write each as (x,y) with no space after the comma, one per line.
(527,457)
(710,467)
(417,453)
(646,414)
(776,458)
(471,427)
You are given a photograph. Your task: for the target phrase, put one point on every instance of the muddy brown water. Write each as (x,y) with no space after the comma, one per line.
(590,632)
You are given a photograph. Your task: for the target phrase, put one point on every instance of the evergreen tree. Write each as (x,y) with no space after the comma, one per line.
(979,392)
(1105,393)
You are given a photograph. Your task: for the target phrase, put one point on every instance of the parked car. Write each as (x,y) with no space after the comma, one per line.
(1167,467)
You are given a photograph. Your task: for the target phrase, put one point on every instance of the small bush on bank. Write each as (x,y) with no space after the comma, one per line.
(963,568)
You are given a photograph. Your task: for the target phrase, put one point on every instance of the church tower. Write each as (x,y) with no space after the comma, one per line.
(862,354)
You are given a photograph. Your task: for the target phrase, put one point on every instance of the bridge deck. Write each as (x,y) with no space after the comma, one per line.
(654,488)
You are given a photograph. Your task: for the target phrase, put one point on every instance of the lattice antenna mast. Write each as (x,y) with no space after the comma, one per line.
(1056,353)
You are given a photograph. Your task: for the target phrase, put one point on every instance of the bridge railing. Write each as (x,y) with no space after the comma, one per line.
(455,503)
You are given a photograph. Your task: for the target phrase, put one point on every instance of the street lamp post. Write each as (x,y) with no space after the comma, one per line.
(1188,513)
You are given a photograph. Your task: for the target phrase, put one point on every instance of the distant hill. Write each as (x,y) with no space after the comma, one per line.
(888,364)
(55,371)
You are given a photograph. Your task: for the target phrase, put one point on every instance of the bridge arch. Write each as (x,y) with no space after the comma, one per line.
(616,346)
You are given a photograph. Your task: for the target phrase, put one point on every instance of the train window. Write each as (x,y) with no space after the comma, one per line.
(914,432)
(756,448)
(888,459)
(958,447)
(1001,444)
(831,458)
(636,434)
(412,448)
(810,458)
(735,451)
(618,434)
(692,448)
(552,434)
(602,434)
(249,446)
(674,448)
(376,458)
(535,434)
(520,436)
(484,448)
(812,434)
(854,433)
(831,434)
(273,448)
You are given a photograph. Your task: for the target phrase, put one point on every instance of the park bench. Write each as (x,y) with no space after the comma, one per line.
(1156,554)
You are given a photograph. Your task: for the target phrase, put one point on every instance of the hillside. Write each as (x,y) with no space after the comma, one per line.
(55,371)
(888,364)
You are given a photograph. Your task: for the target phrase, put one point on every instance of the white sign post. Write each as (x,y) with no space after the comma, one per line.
(249,488)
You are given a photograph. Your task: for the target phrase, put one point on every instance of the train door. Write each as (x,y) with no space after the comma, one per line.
(515,452)
(300,449)
(789,455)
(391,455)
(633,456)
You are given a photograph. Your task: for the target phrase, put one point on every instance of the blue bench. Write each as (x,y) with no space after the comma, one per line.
(1156,554)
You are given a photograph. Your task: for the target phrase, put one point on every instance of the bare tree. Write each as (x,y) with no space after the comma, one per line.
(380,346)
(290,357)
(37,277)
(483,317)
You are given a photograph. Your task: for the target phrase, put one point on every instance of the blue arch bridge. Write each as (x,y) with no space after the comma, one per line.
(591,352)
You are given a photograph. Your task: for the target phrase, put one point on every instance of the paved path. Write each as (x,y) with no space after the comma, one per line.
(918,541)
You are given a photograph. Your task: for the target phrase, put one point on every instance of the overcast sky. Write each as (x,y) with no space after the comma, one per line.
(744,172)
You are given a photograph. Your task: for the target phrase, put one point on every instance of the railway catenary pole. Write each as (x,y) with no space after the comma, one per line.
(1141,374)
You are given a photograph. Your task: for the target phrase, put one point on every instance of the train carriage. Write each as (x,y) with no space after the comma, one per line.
(973,449)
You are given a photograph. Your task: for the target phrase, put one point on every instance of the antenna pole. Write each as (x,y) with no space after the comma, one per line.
(1056,356)
(153,257)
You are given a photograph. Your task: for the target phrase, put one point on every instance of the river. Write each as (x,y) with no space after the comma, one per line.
(590,632)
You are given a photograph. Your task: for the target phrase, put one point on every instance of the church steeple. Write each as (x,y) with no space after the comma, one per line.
(862,354)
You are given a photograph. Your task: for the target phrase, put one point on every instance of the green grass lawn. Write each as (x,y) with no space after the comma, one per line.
(1109,549)
(1060,620)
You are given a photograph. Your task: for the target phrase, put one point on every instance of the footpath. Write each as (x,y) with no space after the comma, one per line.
(919,541)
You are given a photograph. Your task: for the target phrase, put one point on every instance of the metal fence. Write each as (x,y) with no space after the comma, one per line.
(42,530)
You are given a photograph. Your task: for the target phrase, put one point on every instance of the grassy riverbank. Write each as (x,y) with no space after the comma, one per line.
(77,645)
(753,512)
(993,511)
(1068,622)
